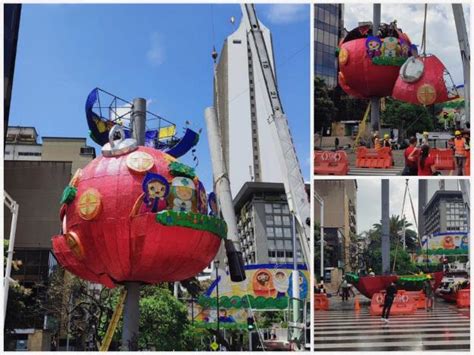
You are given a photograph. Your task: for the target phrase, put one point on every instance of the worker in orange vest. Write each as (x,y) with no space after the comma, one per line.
(460,152)
(377,141)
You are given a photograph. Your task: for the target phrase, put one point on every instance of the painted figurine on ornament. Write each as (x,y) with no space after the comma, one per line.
(390,47)
(373,45)
(156,189)
(182,194)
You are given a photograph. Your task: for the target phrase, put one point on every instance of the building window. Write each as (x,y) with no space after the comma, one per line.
(271,253)
(29,154)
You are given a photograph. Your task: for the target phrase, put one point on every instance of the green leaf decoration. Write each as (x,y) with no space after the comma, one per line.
(69,194)
(352,278)
(193,220)
(394,61)
(179,169)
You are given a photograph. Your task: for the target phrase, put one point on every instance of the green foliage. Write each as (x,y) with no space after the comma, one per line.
(244,302)
(179,169)
(407,117)
(324,109)
(69,194)
(193,220)
(393,61)
(348,107)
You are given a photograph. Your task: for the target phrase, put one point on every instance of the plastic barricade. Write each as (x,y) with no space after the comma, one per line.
(374,158)
(331,163)
(403,304)
(444,159)
(321,302)
(419,297)
(463,298)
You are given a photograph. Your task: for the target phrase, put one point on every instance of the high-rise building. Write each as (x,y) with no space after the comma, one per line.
(243,108)
(340,218)
(265,224)
(22,144)
(446,212)
(328,31)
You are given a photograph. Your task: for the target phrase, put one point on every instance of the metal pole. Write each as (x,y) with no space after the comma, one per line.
(216,264)
(295,284)
(14,207)
(422,201)
(463,40)
(321,237)
(375,101)
(385,227)
(224,196)
(250,340)
(131,312)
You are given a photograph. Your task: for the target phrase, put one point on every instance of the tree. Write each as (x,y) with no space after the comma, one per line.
(396,232)
(324,108)
(409,118)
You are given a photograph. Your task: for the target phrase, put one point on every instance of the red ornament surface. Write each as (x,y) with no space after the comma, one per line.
(427,90)
(120,246)
(360,77)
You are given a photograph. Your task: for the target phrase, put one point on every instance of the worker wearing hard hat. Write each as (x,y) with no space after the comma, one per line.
(377,141)
(386,141)
(460,152)
(424,140)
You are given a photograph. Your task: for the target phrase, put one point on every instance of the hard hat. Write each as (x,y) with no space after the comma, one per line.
(425,133)
(457,133)
(386,135)
(428,277)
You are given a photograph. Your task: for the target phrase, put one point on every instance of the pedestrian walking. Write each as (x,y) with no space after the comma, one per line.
(343,290)
(460,152)
(428,289)
(336,143)
(390,294)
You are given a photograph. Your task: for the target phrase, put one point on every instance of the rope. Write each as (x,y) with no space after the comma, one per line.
(423,36)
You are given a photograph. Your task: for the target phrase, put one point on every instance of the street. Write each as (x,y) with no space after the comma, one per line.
(343,329)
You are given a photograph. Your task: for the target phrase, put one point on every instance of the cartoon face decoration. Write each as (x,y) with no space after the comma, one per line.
(448,242)
(156,189)
(183,194)
(213,204)
(303,283)
(263,283)
(202,198)
(281,283)
(390,47)
(404,48)
(373,45)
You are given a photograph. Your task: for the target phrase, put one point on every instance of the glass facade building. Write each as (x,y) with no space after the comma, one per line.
(328,30)
(446,212)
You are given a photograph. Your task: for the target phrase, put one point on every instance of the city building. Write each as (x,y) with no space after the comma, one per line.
(35,176)
(265,224)
(242,107)
(446,212)
(328,31)
(21,143)
(340,219)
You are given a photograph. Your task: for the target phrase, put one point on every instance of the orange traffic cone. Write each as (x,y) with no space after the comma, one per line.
(356,304)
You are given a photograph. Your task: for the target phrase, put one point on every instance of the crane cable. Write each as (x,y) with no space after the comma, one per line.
(423,36)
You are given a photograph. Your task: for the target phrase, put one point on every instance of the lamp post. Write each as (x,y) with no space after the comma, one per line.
(216,265)
(321,238)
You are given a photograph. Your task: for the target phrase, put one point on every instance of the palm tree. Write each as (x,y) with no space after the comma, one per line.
(396,233)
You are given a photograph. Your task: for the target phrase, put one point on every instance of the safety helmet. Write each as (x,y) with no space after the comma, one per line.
(457,133)
(428,277)
(425,133)
(386,135)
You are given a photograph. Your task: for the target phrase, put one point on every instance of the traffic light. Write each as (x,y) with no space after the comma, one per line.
(250,324)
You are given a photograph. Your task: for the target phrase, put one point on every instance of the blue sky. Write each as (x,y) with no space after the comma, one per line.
(159,52)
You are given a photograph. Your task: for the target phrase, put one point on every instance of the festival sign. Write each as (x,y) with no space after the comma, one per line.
(268,287)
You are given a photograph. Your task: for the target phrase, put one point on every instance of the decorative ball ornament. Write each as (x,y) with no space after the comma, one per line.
(140,162)
(426,94)
(89,204)
(111,236)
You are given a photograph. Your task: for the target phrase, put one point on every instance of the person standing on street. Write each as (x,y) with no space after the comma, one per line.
(390,294)
(460,152)
(429,294)
(344,288)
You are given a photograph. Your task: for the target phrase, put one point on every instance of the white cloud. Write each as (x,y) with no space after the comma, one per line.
(441,35)
(156,52)
(285,13)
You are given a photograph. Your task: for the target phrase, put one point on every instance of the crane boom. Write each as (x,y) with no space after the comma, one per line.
(292,177)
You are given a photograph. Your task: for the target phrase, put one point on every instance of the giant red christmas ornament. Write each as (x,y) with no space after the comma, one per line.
(424,80)
(369,65)
(136,216)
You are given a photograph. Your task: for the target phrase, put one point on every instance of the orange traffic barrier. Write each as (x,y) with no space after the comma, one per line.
(330,163)
(444,158)
(374,158)
(463,298)
(419,297)
(402,304)
(356,304)
(321,302)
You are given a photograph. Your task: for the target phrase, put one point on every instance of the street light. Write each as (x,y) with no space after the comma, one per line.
(321,202)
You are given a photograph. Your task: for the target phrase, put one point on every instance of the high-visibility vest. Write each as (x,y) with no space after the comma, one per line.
(459,147)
